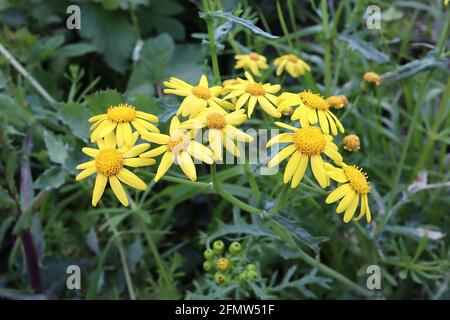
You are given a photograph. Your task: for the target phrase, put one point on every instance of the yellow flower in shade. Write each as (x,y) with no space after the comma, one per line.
(352,143)
(251,92)
(337,102)
(354,187)
(252,62)
(178,146)
(198,97)
(221,130)
(109,165)
(372,78)
(312,108)
(304,144)
(292,64)
(121,117)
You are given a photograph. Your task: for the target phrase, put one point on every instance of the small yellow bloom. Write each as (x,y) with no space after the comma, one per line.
(222,264)
(304,144)
(109,165)
(294,65)
(178,146)
(352,143)
(250,93)
(354,186)
(372,78)
(312,108)
(221,130)
(121,117)
(337,102)
(252,62)
(198,97)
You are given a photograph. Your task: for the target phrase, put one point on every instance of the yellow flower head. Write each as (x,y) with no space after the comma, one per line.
(304,144)
(221,130)
(252,62)
(294,65)
(198,97)
(312,108)
(354,186)
(222,264)
(251,92)
(372,78)
(337,102)
(109,164)
(120,118)
(178,146)
(352,143)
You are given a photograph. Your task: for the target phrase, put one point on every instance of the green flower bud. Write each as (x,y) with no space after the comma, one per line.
(252,275)
(208,254)
(235,248)
(218,246)
(243,276)
(250,267)
(207,265)
(220,278)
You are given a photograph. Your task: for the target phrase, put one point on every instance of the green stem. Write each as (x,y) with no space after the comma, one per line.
(327,57)
(134,21)
(212,43)
(283,24)
(122,258)
(291,13)
(197,184)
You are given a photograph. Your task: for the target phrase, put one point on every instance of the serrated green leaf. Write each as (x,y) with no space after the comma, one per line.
(52,178)
(57,150)
(75,116)
(76,50)
(364,48)
(99,102)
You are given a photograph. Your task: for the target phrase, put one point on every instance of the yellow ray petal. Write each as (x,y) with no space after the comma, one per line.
(154,152)
(158,138)
(280,138)
(90,152)
(187,165)
(99,188)
(345,202)
(338,193)
(166,162)
(136,150)
(129,178)
(85,165)
(139,162)
(350,211)
(85,173)
(283,154)
(268,107)
(291,166)
(118,190)
(300,171)
(147,116)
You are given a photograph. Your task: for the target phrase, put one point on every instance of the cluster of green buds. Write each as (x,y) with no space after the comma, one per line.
(228,266)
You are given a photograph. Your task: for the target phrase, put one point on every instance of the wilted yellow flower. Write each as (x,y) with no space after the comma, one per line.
(221,129)
(197,98)
(180,146)
(294,65)
(252,62)
(109,165)
(337,102)
(372,78)
(354,186)
(250,92)
(312,108)
(352,143)
(121,117)
(304,144)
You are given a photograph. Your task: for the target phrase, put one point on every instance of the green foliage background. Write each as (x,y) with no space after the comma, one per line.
(153,250)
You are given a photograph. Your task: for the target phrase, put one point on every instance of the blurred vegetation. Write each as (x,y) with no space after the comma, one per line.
(124,50)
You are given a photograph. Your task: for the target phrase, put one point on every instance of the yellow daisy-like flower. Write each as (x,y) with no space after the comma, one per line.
(252,62)
(251,92)
(372,78)
(354,186)
(121,117)
(312,108)
(198,97)
(337,102)
(178,146)
(304,144)
(221,130)
(294,65)
(109,165)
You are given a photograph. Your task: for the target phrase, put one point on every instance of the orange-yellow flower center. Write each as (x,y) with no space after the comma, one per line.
(372,77)
(351,142)
(223,264)
(310,140)
(215,121)
(292,58)
(357,179)
(201,93)
(178,143)
(109,162)
(313,101)
(337,102)
(121,113)
(255,89)
(254,56)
